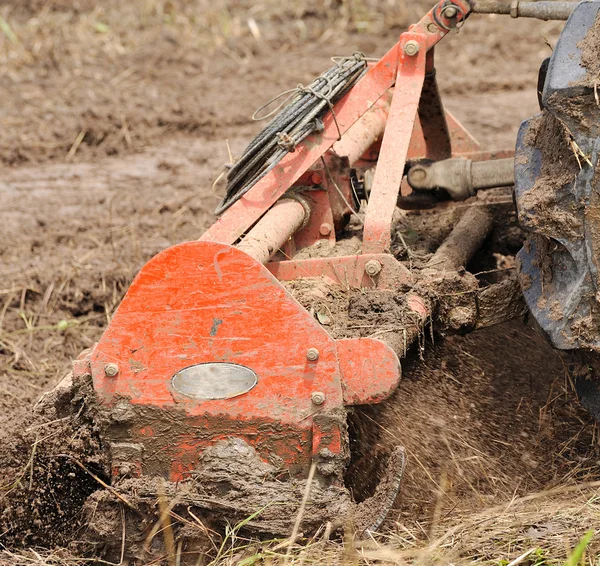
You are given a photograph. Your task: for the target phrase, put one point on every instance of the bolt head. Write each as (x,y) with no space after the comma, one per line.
(372,267)
(312,354)
(325,229)
(111,370)
(316,178)
(432,28)
(450,12)
(411,48)
(317,397)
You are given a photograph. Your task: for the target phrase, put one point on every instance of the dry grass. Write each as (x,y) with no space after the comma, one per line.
(545,526)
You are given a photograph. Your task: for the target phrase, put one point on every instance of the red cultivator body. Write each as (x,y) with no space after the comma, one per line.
(208,345)
(209,349)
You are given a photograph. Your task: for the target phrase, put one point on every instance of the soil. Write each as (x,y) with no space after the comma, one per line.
(548,206)
(474,427)
(48,459)
(589,54)
(116,120)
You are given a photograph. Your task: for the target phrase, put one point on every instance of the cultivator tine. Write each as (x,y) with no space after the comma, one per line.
(374,511)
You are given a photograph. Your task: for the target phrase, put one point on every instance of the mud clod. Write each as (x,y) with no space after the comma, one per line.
(548,205)
(231,481)
(590,54)
(44,484)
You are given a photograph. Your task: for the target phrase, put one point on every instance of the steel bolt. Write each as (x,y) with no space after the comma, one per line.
(450,11)
(432,28)
(411,48)
(317,397)
(111,369)
(372,267)
(325,229)
(312,354)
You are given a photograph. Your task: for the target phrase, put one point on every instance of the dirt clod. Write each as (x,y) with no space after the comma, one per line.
(547,204)
(44,459)
(590,54)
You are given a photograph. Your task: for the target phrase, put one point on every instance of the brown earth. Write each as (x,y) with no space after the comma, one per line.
(116,119)
(589,55)
(559,168)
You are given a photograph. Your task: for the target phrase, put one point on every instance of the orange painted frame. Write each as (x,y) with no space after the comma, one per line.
(374,84)
(202,302)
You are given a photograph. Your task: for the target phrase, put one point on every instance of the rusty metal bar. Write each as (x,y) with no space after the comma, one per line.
(364,133)
(459,247)
(465,239)
(516,9)
(274,229)
(495,173)
(396,141)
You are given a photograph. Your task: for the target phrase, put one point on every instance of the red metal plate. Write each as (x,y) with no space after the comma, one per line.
(364,362)
(345,271)
(206,302)
(203,302)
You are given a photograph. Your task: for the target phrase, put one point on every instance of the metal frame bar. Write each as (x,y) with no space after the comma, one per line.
(374,84)
(516,9)
(396,140)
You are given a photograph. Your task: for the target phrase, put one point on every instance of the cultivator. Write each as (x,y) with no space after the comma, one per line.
(209,356)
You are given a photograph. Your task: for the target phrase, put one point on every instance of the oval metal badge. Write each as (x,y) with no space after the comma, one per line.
(214,380)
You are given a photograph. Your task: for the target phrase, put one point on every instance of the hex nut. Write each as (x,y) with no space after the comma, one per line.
(411,48)
(111,370)
(312,354)
(317,397)
(372,268)
(316,178)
